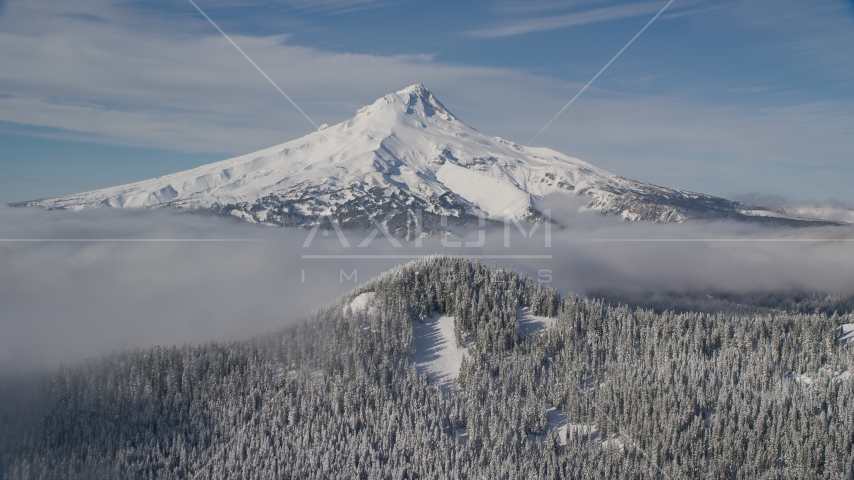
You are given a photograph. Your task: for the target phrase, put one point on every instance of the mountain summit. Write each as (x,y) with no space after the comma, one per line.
(403,154)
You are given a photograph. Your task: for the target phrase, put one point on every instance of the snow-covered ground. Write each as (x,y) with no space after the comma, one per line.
(529,323)
(763,213)
(436,352)
(587,431)
(360,302)
(557,420)
(822,375)
(846,334)
(494,196)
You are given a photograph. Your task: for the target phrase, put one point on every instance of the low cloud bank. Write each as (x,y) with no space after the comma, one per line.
(200,278)
(830,209)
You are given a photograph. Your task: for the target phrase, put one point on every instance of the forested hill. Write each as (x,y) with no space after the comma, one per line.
(548,387)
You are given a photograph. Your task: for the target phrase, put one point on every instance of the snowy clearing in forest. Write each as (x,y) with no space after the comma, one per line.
(804,380)
(360,302)
(557,420)
(436,352)
(822,375)
(846,333)
(530,323)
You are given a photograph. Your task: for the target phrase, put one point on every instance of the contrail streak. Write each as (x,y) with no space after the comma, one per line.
(253,64)
(600,71)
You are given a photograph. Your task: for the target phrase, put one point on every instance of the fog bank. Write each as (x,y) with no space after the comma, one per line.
(138,278)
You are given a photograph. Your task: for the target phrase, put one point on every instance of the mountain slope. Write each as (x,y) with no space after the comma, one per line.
(406,161)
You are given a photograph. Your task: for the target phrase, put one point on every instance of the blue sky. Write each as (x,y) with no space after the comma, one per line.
(727,97)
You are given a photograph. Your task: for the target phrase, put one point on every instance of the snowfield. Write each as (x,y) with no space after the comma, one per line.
(530,324)
(436,352)
(494,196)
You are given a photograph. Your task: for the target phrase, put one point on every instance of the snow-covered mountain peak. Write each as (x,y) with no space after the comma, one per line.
(404,160)
(415,102)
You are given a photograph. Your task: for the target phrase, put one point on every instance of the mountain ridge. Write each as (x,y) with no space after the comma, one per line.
(409,163)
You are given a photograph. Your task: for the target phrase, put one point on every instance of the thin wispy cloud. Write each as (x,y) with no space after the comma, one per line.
(515,7)
(262,72)
(695,10)
(309,6)
(336,6)
(602,70)
(833,117)
(820,34)
(553,22)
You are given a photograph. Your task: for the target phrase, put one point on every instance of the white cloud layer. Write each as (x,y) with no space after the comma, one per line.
(62,301)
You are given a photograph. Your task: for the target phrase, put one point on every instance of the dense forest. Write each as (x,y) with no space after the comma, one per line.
(794,301)
(645,394)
